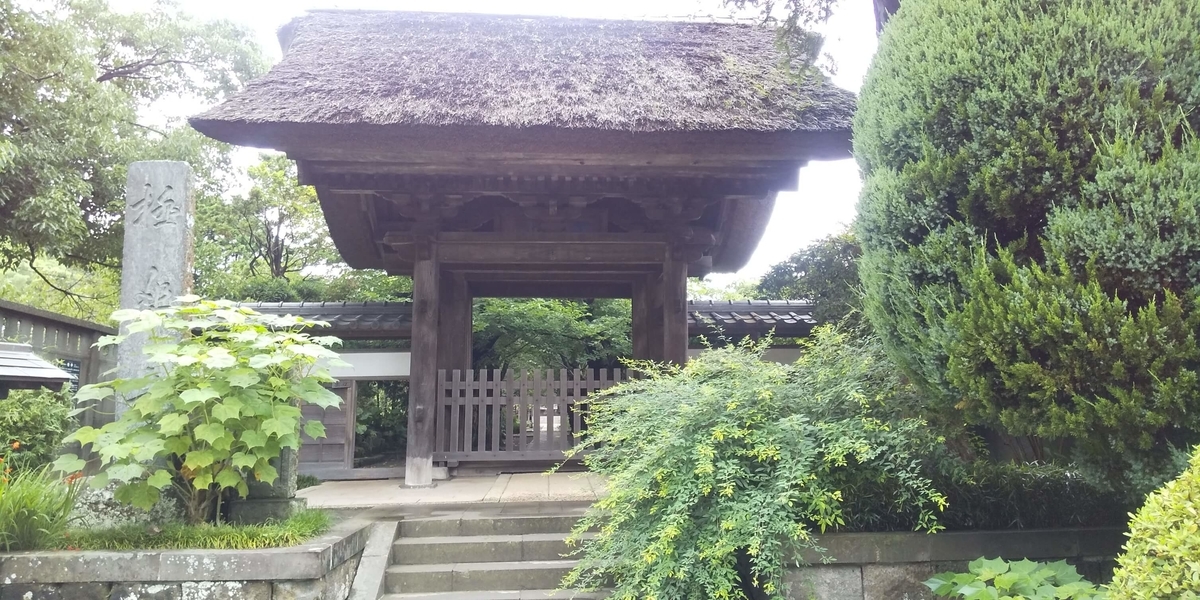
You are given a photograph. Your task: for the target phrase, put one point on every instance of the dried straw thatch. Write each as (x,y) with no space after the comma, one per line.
(404,68)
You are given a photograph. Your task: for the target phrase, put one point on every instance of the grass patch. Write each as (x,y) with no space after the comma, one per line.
(304,481)
(302,526)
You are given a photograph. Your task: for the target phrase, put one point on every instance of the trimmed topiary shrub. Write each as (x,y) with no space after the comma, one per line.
(1162,557)
(1031,240)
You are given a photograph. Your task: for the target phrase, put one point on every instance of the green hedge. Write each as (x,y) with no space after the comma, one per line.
(1029,217)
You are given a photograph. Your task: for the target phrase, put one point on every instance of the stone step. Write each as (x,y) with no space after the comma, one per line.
(504,595)
(479,548)
(439,526)
(477,576)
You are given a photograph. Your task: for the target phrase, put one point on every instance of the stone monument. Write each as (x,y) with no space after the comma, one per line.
(156,262)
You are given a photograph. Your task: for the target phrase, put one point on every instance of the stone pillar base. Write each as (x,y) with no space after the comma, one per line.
(251,511)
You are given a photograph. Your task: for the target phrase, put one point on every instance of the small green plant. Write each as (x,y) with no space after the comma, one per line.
(35,506)
(998,579)
(1162,556)
(300,527)
(39,420)
(721,471)
(306,481)
(220,406)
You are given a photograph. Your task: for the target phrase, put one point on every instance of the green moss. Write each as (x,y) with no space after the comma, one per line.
(302,526)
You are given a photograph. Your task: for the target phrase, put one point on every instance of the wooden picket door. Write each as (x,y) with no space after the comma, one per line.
(528,415)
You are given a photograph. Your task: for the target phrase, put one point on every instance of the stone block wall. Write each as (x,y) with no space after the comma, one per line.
(322,569)
(894,566)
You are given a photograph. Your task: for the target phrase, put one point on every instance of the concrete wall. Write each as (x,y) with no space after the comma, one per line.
(322,569)
(894,566)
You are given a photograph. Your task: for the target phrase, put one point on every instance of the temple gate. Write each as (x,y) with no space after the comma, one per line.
(496,156)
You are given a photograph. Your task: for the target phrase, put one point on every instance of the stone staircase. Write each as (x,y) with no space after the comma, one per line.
(481,557)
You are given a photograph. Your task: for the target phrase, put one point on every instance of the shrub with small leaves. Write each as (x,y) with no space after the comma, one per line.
(998,579)
(38,420)
(720,471)
(220,405)
(1162,556)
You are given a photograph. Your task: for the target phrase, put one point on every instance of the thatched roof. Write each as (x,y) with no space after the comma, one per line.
(433,69)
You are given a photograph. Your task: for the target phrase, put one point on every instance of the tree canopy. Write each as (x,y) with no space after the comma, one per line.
(77,78)
(825,272)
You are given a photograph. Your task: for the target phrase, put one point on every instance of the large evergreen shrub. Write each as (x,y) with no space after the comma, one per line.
(1029,216)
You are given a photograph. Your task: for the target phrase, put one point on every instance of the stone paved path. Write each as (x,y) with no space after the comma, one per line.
(499,489)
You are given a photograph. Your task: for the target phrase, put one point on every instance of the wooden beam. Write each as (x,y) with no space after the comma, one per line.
(545,249)
(422,390)
(674,321)
(552,289)
(454,317)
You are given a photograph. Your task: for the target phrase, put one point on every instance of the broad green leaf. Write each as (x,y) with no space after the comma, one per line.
(195,395)
(219,358)
(243,378)
(125,471)
(125,314)
(160,479)
(173,423)
(198,459)
(148,450)
(138,494)
(242,460)
(84,435)
(69,463)
(209,432)
(1023,566)
(314,429)
(1005,581)
(279,427)
(254,439)
(263,471)
(988,569)
(99,481)
(225,442)
(178,445)
(290,440)
(228,478)
(203,481)
(229,408)
(92,392)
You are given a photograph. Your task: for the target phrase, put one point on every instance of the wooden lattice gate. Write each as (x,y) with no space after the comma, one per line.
(513,415)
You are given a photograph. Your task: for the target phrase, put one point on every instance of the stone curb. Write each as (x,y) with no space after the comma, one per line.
(376,558)
(312,560)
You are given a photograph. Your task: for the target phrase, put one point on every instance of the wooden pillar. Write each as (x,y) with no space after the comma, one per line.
(647,318)
(674,321)
(422,386)
(454,318)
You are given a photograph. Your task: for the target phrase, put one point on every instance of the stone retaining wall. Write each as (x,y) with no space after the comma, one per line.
(322,569)
(893,566)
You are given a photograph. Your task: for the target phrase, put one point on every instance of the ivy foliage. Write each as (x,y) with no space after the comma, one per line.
(998,579)
(220,405)
(720,470)
(1162,556)
(1029,217)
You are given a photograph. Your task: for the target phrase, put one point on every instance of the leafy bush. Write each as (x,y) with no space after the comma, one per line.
(989,496)
(220,407)
(1029,217)
(1162,556)
(35,506)
(381,425)
(306,481)
(39,420)
(301,526)
(732,460)
(1023,579)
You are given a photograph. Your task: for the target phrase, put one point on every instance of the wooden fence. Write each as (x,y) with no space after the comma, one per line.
(65,341)
(513,415)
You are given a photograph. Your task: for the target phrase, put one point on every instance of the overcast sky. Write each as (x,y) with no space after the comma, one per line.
(824,202)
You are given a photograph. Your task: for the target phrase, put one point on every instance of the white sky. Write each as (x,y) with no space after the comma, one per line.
(828,191)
